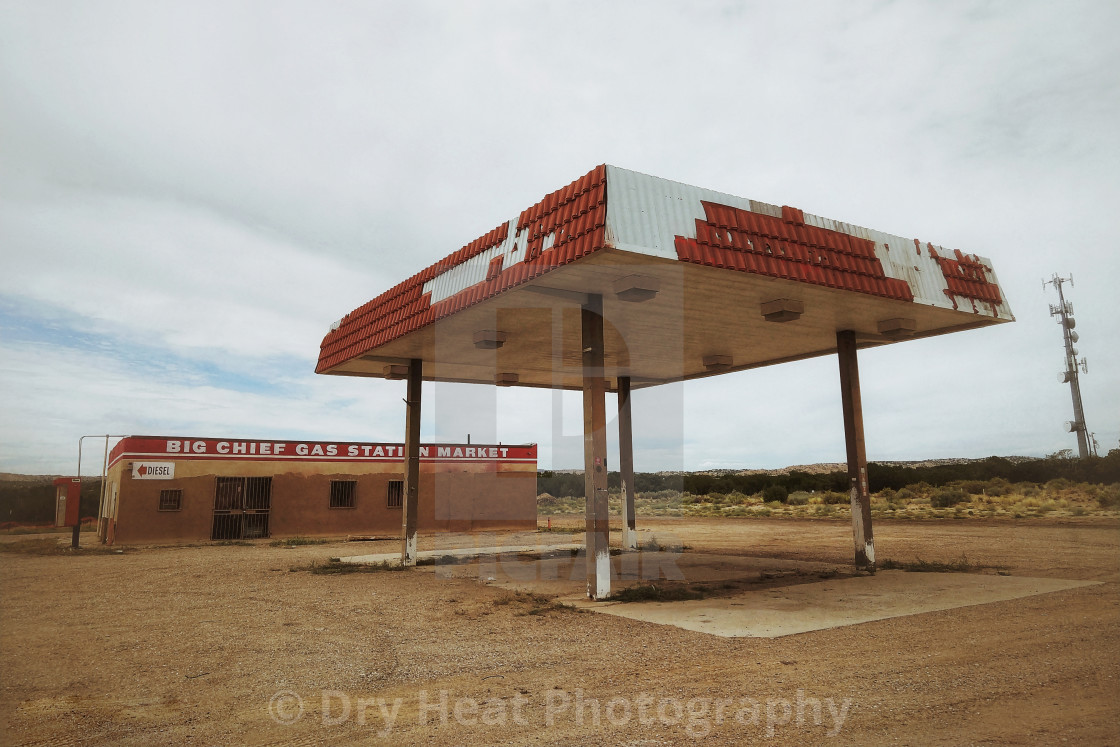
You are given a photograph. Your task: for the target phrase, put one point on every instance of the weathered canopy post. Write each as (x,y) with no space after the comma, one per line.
(626,464)
(857,453)
(412,461)
(595,450)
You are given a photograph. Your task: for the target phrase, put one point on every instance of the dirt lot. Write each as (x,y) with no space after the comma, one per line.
(227,645)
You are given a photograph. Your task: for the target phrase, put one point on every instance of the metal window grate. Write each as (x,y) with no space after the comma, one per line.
(228,493)
(227,526)
(395,494)
(258,493)
(241,507)
(342,493)
(255,526)
(170,500)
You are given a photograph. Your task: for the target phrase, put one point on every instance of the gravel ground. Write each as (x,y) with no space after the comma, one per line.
(217,645)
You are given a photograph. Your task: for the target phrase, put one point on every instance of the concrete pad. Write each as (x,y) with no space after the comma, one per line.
(791,601)
(392,558)
(801,608)
(565,576)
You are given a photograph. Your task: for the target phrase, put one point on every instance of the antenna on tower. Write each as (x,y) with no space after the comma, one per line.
(1064,311)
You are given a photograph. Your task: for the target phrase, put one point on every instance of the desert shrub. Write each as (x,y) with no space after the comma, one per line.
(800,498)
(887,494)
(661,496)
(948,497)
(296,541)
(1027,489)
(775,493)
(997,487)
(905,494)
(971,487)
(1108,496)
(1057,484)
(833,498)
(738,498)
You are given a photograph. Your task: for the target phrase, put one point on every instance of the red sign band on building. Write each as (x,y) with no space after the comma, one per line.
(148,447)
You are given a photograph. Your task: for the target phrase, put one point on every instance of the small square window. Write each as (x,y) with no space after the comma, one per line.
(395,495)
(342,493)
(170,500)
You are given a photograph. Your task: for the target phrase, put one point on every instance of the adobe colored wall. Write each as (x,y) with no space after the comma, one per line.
(452,497)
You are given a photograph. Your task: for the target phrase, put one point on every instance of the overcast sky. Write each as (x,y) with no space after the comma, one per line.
(191,192)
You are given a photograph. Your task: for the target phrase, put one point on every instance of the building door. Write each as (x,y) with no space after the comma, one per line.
(241,506)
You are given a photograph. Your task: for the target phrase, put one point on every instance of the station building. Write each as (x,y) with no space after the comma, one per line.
(174,489)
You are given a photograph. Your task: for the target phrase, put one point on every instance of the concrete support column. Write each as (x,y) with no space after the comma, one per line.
(857,453)
(595,451)
(626,464)
(412,462)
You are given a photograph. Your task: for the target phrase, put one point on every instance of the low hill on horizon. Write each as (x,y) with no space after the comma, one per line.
(15,477)
(824,468)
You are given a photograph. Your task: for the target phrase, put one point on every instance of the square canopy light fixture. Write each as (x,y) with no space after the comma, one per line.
(636,288)
(717,362)
(782,310)
(897,329)
(489,339)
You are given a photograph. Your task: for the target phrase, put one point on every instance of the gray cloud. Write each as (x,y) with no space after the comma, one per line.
(225,179)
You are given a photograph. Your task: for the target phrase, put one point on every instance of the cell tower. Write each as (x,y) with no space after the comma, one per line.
(1064,311)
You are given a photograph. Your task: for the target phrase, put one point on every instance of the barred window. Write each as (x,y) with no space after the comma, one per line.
(342,493)
(241,507)
(243,493)
(395,494)
(170,500)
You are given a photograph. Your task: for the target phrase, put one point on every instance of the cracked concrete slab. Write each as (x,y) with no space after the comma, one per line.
(802,608)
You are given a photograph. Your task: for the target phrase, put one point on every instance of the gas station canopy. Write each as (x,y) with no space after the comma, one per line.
(621,280)
(693,283)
